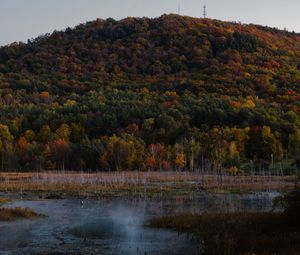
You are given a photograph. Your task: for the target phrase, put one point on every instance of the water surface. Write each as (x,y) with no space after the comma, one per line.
(114,225)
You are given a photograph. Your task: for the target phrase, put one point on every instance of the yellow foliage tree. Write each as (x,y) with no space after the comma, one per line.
(180,160)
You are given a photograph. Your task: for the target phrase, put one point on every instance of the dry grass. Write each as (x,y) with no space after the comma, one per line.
(138,182)
(3,200)
(238,233)
(10,214)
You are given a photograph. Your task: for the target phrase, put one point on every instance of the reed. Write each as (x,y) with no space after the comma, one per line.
(237,233)
(104,183)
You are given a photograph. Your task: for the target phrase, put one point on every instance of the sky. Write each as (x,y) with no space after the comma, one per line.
(25,19)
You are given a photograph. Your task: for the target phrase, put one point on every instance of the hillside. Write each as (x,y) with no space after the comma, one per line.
(140,94)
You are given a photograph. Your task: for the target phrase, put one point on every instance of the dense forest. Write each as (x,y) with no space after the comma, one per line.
(170,93)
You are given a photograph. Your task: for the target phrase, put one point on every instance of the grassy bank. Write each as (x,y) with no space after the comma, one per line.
(10,214)
(150,183)
(243,233)
(3,200)
(238,233)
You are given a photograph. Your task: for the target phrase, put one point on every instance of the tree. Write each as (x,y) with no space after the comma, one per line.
(60,151)
(45,134)
(157,153)
(6,139)
(262,143)
(119,154)
(166,165)
(233,151)
(180,161)
(192,150)
(77,133)
(63,133)
(151,163)
(22,148)
(294,144)
(30,136)
(45,97)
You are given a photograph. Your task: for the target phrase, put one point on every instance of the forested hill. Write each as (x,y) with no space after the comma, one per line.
(150,94)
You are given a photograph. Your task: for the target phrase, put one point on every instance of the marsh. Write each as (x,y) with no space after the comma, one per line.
(114,225)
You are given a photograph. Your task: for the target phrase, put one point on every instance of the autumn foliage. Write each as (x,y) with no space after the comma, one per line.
(170,93)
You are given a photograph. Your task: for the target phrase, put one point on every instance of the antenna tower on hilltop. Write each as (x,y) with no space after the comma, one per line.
(204,11)
(179,7)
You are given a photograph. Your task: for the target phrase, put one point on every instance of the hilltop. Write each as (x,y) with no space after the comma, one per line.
(140,93)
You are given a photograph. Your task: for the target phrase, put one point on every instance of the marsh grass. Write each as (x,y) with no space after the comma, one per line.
(3,201)
(112,183)
(10,214)
(237,233)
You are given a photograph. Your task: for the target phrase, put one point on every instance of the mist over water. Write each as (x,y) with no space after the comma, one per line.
(113,226)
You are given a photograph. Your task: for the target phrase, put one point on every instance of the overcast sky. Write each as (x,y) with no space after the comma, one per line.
(24,19)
